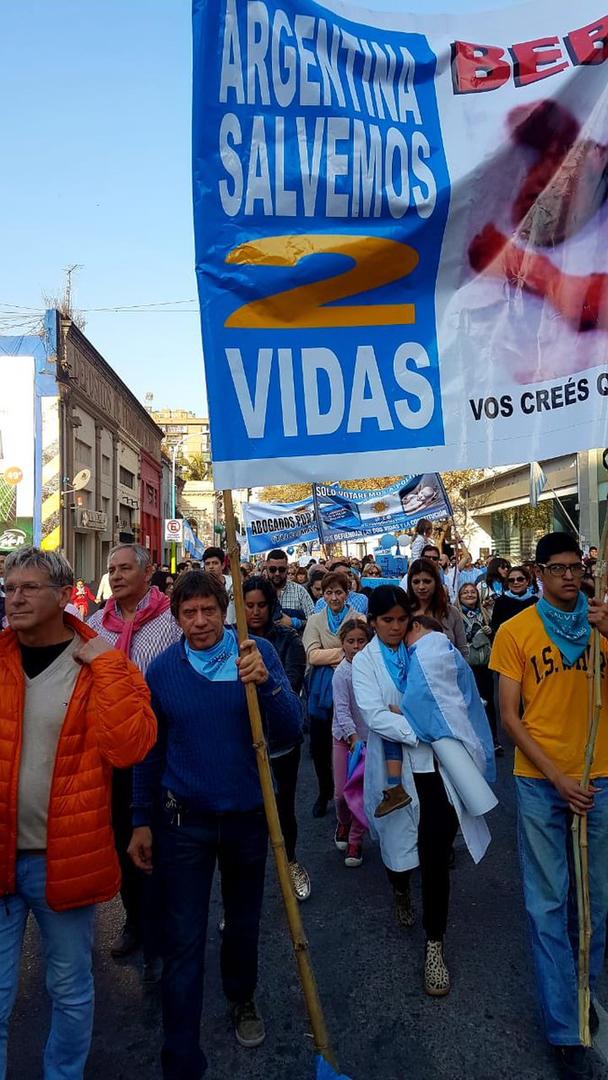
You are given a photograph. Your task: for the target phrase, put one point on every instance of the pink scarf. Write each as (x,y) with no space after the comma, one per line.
(112,621)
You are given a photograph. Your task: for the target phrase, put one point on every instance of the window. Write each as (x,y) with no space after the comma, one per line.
(126,477)
(82,452)
(105,465)
(105,506)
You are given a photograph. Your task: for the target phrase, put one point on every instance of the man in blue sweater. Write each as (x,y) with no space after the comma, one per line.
(197,800)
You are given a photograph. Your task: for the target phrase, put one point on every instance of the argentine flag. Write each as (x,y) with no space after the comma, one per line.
(538,482)
(441,701)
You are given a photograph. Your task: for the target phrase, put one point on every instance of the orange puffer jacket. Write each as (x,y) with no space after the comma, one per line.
(109,722)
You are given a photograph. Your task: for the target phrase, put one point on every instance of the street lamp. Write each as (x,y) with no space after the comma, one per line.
(176,447)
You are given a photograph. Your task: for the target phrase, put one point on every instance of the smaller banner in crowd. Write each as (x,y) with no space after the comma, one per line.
(343,514)
(271,525)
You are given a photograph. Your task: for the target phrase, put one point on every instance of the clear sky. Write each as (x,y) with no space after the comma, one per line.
(96,171)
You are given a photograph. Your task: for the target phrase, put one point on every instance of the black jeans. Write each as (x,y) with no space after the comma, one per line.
(321,748)
(285,772)
(187,854)
(139,892)
(436,832)
(485,684)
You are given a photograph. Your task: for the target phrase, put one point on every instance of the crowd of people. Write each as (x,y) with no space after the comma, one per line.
(126,760)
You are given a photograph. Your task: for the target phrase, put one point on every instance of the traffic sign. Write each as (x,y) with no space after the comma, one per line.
(174,530)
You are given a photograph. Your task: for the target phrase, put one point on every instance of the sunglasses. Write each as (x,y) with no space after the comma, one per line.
(517,580)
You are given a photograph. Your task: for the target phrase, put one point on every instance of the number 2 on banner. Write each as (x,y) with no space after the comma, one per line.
(378,261)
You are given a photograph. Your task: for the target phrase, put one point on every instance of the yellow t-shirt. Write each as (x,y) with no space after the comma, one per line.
(556,710)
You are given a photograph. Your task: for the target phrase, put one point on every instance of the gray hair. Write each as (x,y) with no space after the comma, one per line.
(142,555)
(54,562)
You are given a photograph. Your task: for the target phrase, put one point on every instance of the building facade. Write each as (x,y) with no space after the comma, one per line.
(186,431)
(96,458)
(574,500)
(197,504)
(106,430)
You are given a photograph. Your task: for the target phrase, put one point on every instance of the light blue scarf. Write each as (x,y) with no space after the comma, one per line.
(334,621)
(529,593)
(218,664)
(397,664)
(569,630)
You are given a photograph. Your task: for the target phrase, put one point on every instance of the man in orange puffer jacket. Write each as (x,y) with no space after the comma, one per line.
(71,708)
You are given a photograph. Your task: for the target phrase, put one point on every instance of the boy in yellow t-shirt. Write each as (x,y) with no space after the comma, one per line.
(542,657)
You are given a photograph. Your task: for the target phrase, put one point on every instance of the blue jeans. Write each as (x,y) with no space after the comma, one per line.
(393,751)
(545,848)
(67,942)
(186,858)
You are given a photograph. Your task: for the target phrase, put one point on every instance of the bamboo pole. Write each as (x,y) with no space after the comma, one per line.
(580,837)
(296,929)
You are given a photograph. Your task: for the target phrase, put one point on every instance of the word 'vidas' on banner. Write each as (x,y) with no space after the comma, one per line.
(400,236)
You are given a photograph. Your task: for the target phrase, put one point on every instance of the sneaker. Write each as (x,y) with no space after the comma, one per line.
(300,881)
(248,1024)
(126,943)
(394,797)
(341,836)
(354,855)
(574,1063)
(436,974)
(404,911)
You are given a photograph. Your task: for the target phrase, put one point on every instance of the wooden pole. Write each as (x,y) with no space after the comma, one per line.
(580,840)
(296,929)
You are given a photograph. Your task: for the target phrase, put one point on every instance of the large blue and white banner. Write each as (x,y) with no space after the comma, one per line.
(271,525)
(401,227)
(344,515)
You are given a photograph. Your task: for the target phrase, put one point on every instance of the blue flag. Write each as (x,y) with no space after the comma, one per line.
(538,482)
(325,1071)
(194,547)
(441,700)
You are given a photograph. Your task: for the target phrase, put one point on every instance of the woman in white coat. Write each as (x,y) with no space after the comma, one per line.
(423,832)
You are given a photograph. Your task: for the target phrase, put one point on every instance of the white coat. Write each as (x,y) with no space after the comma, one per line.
(397,833)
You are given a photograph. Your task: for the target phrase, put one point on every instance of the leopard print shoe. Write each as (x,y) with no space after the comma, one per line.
(436,974)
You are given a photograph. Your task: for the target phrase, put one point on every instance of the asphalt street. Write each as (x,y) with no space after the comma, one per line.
(369,972)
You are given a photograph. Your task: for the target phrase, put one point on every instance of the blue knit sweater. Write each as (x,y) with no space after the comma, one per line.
(204,753)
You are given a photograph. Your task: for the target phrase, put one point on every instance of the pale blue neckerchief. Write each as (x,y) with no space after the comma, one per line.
(335,620)
(218,664)
(569,630)
(397,663)
(520,596)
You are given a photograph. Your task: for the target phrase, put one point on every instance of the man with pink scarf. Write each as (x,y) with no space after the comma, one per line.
(137,620)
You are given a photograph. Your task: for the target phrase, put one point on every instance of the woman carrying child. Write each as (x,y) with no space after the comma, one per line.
(423,831)
(348,729)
